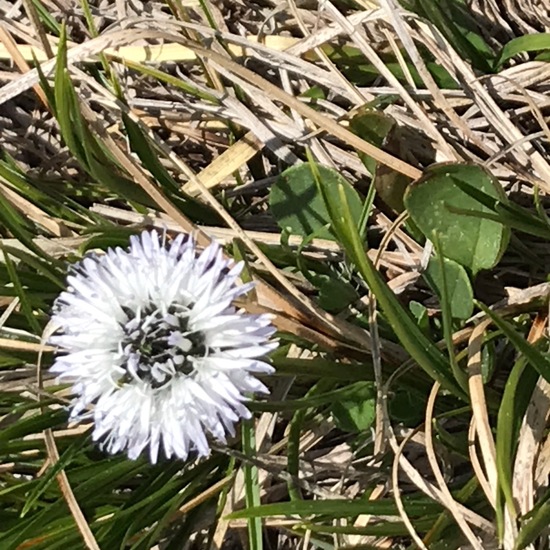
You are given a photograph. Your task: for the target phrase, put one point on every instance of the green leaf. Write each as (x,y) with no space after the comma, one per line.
(252,486)
(47,18)
(382,529)
(139,143)
(459,290)
(26,307)
(539,361)
(420,313)
(357,411)
(536,525)
(517,394)
(320,368)
(373,127)
(297,203)
(522,219)
(66,103)
(365,74)
(186,85)
(381,130)
(312,399)
(334,294)
(521,44)
(340,508)
(33,424)
(315,92)
(444,201)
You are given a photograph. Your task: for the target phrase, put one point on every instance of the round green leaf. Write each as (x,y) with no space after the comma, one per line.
(373,127)
(455,201)
(356,411)
(382,130)
(459,289)
(298,205)
(334,294)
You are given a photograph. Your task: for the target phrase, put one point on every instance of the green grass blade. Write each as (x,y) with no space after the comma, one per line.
(421,349)
(540,362)
(517,393)
(340,508)
(534,526)
(251,486)
(21,293)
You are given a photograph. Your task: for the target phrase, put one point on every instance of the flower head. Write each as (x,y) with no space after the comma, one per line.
(150,338)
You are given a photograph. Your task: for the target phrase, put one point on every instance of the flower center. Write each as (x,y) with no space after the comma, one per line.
(157,345)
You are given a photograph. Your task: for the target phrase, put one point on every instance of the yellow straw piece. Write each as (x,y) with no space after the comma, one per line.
(155,53)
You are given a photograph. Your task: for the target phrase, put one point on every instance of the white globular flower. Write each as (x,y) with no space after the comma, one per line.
(157,354)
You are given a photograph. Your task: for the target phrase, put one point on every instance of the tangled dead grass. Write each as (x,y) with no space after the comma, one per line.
(273,54)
